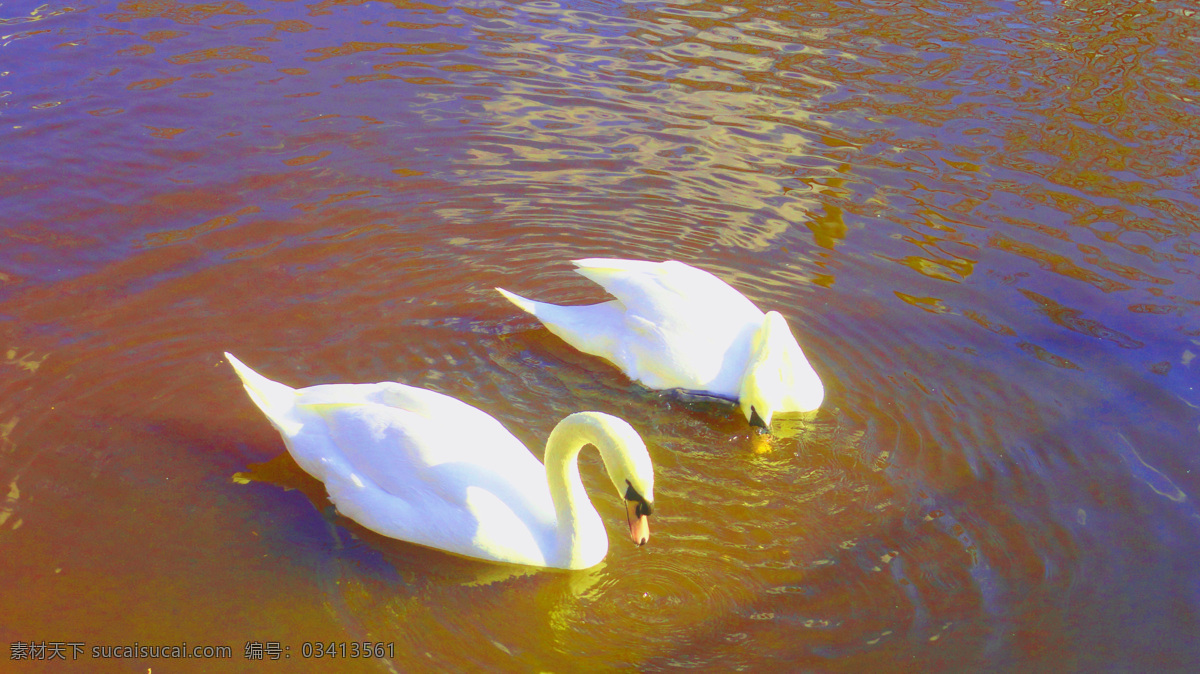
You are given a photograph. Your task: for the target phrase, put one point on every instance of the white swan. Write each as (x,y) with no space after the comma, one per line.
(423,467)
(676,326)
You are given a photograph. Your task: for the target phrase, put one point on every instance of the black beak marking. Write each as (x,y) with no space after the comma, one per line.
(756,420)
(631,494)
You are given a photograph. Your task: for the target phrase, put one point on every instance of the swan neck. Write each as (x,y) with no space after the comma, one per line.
(765,343)
(761,353)
(576,516)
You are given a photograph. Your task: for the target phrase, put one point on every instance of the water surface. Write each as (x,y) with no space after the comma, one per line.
(979,217)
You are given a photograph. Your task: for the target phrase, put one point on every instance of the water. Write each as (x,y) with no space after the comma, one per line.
(980,218)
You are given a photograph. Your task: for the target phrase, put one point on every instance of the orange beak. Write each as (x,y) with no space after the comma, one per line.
(639,525)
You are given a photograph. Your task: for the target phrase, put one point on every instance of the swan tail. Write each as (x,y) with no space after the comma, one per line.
(528,306)
(568,319)
(276,400)
(590,328)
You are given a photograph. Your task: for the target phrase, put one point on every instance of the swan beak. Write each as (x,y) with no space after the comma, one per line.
(639,524)
(757,421)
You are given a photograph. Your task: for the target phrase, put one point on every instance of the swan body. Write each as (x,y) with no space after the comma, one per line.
(675,326)
(423,467)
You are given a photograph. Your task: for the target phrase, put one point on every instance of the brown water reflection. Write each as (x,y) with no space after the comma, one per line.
(979,216)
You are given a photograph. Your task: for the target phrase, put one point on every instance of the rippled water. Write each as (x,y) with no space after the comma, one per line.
(980,217)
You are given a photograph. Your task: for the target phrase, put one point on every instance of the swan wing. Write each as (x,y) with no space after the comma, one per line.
(682,326)
(414,464)
(439,482)
(668,293)
(635,345)
(463,423)
(395,435)
(595,329)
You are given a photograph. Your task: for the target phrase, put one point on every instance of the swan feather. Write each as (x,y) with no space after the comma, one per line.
(673,326)
(424,467)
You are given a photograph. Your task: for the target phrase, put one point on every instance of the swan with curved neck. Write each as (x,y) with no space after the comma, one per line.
(423,467)
(673,326)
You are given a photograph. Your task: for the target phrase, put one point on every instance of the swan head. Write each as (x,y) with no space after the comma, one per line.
(627,462)
(778,378)
(637,514)
(632,475)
